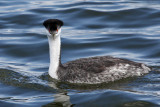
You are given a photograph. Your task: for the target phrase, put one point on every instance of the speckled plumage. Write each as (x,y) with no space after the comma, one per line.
(100,69)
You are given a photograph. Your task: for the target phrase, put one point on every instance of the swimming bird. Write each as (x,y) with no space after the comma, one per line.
(92,70)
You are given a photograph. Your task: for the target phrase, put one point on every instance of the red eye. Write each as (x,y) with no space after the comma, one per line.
(57,30)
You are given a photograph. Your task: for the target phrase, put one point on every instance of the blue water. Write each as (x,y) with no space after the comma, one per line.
(122,28)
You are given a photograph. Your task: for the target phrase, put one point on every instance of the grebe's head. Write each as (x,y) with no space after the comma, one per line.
(53,26)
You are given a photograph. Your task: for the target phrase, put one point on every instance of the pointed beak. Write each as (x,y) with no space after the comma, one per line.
(53,32)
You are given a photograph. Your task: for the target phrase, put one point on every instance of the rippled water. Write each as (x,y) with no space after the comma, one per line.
(123,28)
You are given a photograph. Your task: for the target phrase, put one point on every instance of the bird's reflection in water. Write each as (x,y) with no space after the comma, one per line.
(61,99)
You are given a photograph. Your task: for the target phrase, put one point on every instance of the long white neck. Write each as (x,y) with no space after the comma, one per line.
(54,48)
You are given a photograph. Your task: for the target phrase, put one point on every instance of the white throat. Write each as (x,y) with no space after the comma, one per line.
(54,48)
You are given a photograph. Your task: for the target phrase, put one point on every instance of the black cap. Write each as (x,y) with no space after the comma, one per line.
(52,24)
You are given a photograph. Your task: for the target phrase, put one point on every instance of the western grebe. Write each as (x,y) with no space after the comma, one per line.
(91,70)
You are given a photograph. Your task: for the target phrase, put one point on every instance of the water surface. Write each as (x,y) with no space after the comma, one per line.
(121,28)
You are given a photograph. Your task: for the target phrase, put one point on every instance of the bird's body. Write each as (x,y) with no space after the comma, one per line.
(91,70)
(100,69)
